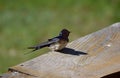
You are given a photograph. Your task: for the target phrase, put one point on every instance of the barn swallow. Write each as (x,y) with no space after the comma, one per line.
(55,44)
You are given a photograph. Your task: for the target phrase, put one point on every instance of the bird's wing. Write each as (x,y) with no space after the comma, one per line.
(44,44)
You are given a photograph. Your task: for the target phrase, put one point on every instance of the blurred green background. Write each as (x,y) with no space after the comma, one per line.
(27,22)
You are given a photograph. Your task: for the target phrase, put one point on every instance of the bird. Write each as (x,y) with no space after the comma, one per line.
(56,43)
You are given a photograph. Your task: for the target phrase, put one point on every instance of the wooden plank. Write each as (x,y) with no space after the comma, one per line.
(92,56)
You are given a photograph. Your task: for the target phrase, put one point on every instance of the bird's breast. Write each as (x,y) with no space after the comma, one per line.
(58,46)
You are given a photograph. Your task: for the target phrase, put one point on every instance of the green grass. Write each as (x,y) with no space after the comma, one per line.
(27,22)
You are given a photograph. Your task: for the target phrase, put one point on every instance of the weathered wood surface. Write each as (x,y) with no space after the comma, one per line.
(92,56)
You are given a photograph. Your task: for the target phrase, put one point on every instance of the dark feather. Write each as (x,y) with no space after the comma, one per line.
(44,44)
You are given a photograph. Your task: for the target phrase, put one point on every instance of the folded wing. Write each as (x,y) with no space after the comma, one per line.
(44,44)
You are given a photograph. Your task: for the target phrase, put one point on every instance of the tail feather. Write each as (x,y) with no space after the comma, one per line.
(34,48)
(38,47)
(42,45)
(30,52)
(31,47)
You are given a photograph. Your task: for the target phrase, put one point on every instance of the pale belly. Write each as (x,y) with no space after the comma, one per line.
(57,46)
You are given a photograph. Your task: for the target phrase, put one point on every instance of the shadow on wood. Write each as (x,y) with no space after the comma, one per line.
(113,75)
(72,51)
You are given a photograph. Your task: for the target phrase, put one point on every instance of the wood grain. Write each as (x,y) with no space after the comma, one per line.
(92,56)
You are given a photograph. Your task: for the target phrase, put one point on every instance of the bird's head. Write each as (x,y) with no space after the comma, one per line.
(64,33)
